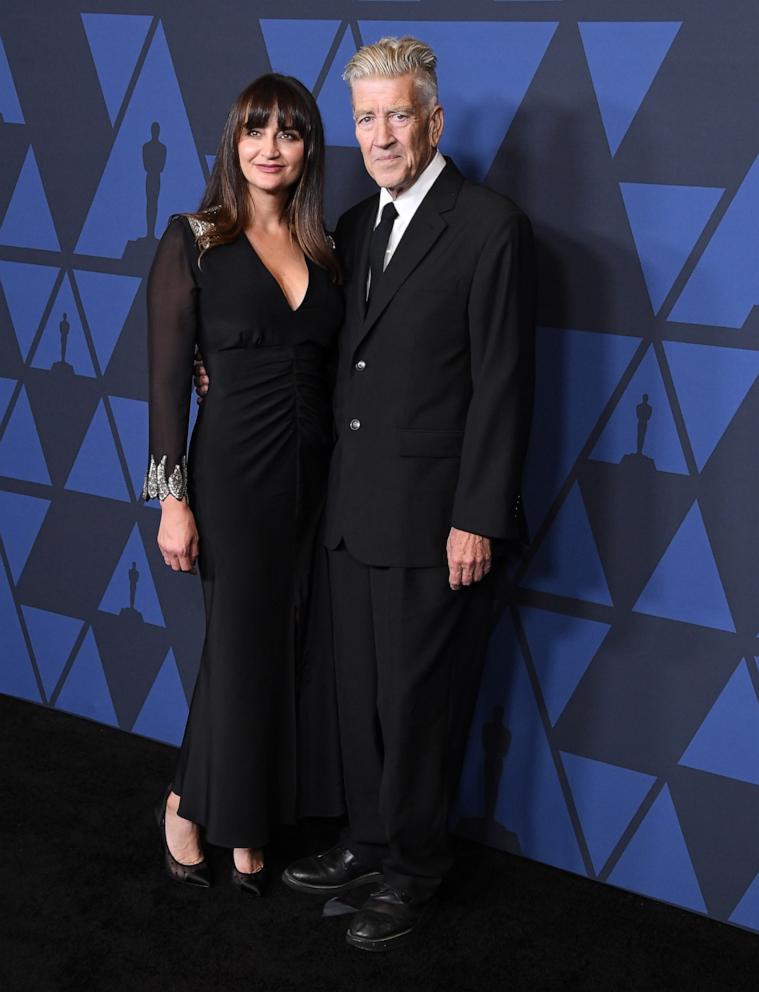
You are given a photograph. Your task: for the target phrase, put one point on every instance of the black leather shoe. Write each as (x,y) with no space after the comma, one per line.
(254,882)
(387,919)
(199,874)
(330,873)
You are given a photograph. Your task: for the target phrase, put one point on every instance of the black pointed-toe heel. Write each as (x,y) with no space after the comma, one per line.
(254,882)
(198,875)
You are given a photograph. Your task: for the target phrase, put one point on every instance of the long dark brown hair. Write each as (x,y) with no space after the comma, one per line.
(226,201)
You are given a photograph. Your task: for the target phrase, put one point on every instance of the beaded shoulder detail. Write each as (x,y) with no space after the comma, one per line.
(331,242)
(156,483)
(202,230)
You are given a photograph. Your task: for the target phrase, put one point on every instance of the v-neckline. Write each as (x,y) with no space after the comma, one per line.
(274,279)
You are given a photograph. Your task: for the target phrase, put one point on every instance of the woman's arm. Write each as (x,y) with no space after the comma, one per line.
(171,345)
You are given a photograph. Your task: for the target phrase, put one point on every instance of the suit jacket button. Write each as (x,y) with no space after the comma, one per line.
(360,365)
(355,424)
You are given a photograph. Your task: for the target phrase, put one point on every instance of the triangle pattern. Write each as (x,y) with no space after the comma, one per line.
(131,418)
(21,519)
(512,50)
(718,817)
(116,596)
(577,374)
(6,391)
(334,98)
(28,222)
(53,636)
(631,538)
(27,289)
(746,913)
(107,300)
(686,585)
(164,713)
(85,691)
(64,319)
(115,42)
(660,439)
(10,108)
(567,561)
(606,797)
(63,405)
(711,383)
(97,469)
(16,673)
(531,815)
(724,287)
(666,222)
(299,48)
(562,648)
(657,863)
(623,58)
(727,742)
(21,454)
(118,211)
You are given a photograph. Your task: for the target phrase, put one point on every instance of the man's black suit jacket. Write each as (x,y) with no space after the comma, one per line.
(436,378)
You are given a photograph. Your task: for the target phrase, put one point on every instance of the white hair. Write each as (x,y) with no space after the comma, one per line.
(389,58)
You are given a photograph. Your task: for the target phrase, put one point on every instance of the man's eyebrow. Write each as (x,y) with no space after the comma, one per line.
(401,108)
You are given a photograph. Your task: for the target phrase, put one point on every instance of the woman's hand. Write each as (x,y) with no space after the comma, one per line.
(200,378)
(178,536)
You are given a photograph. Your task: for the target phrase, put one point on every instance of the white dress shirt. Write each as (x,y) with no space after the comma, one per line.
(407,204)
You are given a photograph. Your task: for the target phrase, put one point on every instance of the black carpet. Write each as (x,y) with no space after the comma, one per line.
(85,904)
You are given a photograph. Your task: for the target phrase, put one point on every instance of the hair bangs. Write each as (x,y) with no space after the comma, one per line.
(277,92)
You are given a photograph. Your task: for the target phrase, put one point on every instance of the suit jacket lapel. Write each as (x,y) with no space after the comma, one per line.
(425,228)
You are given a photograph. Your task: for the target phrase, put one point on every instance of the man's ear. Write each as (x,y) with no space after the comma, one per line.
(436,124)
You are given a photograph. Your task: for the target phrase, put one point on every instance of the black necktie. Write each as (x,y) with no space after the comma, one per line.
(378,247)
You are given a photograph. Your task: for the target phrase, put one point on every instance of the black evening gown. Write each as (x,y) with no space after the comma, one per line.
(256,476)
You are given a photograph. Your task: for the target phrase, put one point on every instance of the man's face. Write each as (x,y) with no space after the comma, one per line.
(396,133)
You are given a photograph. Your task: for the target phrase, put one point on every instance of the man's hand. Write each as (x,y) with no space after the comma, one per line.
(200,378)
(469,558)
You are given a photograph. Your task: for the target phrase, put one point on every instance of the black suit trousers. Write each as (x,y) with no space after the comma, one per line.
(408,659)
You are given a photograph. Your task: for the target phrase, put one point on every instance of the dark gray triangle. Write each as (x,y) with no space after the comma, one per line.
(595,281)
(728,490)
(634,513)
(10,356)
(650,686)
(345,169)
(73,558)
(63,406)
(127,372)
(132,653)
(719,817)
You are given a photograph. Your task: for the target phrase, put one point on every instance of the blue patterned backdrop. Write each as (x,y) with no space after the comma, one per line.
(617,731)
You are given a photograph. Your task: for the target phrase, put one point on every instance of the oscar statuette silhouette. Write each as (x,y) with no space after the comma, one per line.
(140,252)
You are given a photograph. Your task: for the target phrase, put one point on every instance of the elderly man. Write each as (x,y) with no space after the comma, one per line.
(433,405)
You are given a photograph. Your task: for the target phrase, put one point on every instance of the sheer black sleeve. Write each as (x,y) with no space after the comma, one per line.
(171,346)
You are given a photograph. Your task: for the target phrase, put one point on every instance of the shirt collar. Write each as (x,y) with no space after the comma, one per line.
(407,202)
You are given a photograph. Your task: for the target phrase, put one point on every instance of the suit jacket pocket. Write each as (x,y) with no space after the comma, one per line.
(416,443)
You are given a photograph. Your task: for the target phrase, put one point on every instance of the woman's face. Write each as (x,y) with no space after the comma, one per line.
(271,158)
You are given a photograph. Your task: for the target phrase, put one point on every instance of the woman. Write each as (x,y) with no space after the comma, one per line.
(250,279)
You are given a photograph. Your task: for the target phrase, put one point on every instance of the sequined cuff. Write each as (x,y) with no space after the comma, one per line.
(156,483)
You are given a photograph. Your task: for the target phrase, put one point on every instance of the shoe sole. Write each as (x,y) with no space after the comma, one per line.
(385,944)
(329,890)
